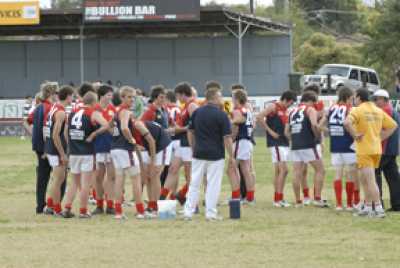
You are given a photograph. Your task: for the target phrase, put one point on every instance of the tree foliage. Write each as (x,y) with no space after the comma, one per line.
(383,50)
(321,49)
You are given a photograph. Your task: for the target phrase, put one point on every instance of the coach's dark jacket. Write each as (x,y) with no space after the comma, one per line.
(37,130)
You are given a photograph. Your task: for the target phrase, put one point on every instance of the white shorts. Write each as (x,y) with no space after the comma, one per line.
(175,144)
(122,159)
(103,158)
(280,154)
(305,155)
(243,149)
(162,158)
(54,160)
(81,163)
(343,159)
(184,153)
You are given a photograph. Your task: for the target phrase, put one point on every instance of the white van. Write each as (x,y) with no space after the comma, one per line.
(343,75)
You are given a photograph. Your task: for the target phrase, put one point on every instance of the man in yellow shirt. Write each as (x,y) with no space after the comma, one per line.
(369,125)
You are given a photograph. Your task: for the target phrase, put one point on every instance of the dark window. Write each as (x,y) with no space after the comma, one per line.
(354,74)
(364,76)
(372,78)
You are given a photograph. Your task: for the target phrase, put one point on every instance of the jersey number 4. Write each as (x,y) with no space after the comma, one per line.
(76,120)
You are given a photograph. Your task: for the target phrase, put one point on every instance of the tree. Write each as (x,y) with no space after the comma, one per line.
(383,50)
(321,49)
(333,14)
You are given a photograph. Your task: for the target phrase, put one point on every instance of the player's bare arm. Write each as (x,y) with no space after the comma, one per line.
(191,139)
(104,125)
(59,121)
(125,116)
(271,108)
(313,115)
(237,119)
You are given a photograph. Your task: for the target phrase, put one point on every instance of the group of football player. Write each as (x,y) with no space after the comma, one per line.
(100,142)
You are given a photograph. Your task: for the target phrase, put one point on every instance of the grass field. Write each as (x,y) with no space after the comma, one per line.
(264,237)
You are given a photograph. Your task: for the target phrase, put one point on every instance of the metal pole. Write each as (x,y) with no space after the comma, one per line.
(240,63)
(252,6)
(291,49)
(81,57)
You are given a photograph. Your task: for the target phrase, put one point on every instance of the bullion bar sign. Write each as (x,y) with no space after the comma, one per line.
(19,12)
(141,10)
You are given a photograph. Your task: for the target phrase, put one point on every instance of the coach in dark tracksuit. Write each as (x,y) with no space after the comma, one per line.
(388,164)
(43,168)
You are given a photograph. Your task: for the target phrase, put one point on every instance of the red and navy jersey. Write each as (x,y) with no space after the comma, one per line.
(277,121)
(118,140)
(157,115)
(301,132)
(102,143)
(48,130)
(77,105)
(246,128)
(160,136)
(80,126)
(341,140)
(184,121)
(174,113)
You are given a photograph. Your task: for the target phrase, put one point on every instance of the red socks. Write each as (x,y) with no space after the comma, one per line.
(164,193)
(68,206)
(83,210)
(153,205)
(94,194)
(306,193)
(349,193)
(57,208)
(250,196)
(236,194)
(278,197)
(118,208)
(100,203)
(139,208)
(337,185)
(356,197)
(182,192)
(110,204)
(50,203)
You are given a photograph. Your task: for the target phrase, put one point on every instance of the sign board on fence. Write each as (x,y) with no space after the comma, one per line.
(19,12)
(141,10)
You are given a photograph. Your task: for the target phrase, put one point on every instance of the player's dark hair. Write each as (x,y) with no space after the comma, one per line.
(116,100)
(85,88)
(289,95)
(184,88)
(237,86)
(344,94)
(240,95)
(213,84)
(363,94)
(64,92)
(313,87)
(308,97)
(171,96)
(157,91)
(104,90)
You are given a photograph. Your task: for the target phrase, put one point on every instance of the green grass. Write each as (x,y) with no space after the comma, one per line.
(264,237)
